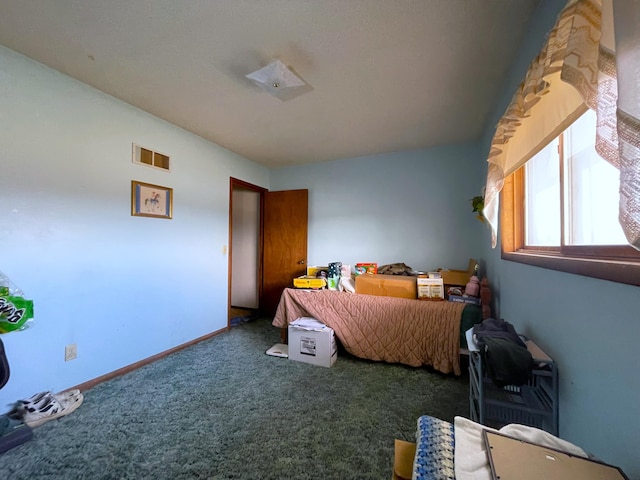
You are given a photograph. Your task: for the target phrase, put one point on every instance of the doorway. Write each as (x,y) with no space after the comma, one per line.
(245,251)
(267,247)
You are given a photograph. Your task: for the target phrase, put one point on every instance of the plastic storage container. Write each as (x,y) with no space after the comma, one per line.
(534,404)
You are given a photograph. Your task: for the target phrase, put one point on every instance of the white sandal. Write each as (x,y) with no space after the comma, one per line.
(39,397)
(33,400)
(66,395)
(52,406)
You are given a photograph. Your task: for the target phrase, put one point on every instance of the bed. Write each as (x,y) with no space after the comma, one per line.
(395,330)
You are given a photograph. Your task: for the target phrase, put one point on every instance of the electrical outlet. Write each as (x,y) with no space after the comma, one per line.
(70,352)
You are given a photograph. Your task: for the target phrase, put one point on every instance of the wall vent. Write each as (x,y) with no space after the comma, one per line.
(151,158)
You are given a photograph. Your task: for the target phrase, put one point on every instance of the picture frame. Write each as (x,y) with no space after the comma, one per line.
(148,200)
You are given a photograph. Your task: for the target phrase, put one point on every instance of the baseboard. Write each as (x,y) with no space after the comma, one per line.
(83,387)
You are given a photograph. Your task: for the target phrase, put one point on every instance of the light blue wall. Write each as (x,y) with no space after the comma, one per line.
(590,327)
(122,288)
(411,207)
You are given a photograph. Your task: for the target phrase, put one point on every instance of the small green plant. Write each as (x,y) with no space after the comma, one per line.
(477,203)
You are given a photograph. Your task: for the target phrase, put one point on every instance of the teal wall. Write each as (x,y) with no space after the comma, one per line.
(590,327)
(411,207)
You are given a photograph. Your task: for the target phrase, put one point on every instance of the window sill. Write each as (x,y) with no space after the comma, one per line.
(612,270)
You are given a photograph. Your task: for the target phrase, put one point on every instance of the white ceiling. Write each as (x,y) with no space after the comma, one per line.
(383,75)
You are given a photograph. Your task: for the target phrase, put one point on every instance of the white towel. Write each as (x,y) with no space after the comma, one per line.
(471,462)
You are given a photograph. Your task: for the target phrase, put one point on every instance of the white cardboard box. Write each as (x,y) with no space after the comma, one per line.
(430,288)
(310,341)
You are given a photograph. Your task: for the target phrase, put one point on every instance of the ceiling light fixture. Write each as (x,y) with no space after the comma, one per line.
(276,79)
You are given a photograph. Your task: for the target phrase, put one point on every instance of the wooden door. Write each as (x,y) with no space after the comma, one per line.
(285,244)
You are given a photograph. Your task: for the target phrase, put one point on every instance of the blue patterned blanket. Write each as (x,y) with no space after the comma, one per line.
(434,450)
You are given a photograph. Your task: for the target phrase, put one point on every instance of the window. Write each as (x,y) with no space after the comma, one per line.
(560,210)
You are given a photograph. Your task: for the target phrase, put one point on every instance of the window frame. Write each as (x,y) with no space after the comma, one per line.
(616,263)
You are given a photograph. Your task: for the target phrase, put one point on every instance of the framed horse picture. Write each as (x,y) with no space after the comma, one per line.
(149,200)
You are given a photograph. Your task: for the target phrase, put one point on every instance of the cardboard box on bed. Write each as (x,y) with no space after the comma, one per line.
(306,281)
(312,344)
(459,277)
(404,453)
(402,286)
(312,270)
(430,288)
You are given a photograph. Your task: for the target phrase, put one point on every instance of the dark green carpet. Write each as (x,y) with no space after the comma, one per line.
(222,409)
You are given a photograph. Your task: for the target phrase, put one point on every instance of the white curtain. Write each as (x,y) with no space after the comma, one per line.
(591,60)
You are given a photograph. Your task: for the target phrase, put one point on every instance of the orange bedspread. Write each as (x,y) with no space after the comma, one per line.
(389,329)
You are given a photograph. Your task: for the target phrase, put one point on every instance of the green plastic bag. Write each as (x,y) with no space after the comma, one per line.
(16,312)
